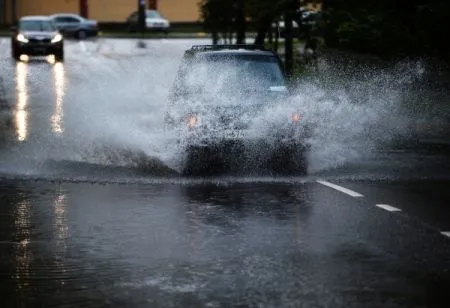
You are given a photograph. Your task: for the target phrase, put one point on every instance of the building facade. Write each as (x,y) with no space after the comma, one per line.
(101,10)
(104,10)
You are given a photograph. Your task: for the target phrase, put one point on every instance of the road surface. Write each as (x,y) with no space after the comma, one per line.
(94,214)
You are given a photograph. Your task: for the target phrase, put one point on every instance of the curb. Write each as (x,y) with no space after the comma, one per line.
(174,35)
(153,36)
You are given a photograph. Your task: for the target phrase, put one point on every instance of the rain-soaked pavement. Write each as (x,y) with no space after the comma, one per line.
(93,213)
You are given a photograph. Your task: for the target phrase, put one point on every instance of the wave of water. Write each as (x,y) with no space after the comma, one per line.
(114,109)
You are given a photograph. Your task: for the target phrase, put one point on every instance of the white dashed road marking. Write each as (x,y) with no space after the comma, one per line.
(355,194)
(388,208)
(446,233)
(341,189)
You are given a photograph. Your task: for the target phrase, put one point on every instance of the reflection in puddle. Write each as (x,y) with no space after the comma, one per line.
(57,117)
(23,256)
(21,114)
(60,230)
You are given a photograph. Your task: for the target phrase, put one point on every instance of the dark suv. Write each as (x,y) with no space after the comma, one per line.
(37,36)
(233,99)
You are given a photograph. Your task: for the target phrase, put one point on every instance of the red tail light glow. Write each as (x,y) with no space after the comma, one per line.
(191,120)
(296,117)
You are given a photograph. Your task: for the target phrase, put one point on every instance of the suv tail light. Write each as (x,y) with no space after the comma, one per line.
(191,120)
(296,117)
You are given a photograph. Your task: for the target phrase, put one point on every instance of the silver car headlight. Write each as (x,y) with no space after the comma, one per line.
(57,38)
(21,38)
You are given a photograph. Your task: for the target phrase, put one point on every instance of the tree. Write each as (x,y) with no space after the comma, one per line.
(263,13)
(219,17)
(388,28)
(240,21)
(232,16)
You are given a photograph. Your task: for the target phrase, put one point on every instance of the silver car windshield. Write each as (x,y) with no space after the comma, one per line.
(153,14)
(37,25)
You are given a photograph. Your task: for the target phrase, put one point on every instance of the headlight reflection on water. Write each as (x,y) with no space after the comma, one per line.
(59,83)
(21,113)
(23,253)
(60,232)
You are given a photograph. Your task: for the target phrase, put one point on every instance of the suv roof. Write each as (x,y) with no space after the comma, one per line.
(229,49)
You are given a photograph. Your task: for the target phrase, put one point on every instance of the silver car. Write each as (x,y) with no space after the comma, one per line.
(75,25)
(154,21)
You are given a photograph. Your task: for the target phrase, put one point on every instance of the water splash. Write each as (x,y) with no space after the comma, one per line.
(114,108)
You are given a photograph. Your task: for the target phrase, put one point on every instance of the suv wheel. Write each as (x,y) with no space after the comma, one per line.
(199,162)
(289,160)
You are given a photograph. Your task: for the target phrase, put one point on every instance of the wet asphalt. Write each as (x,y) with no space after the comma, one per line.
(92,214)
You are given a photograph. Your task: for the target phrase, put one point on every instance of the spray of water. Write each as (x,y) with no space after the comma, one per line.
(114,100)
(349,119)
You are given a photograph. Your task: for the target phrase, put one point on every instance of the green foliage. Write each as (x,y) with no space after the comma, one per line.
(221,15)
(217,15)
(227,17)
(388,28)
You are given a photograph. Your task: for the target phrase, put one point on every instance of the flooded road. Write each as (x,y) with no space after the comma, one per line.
(213,245)
(93,212)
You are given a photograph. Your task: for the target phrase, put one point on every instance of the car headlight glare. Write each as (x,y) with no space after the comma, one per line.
(57,38)
(21,38)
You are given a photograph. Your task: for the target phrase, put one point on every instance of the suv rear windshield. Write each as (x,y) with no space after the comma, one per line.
(37,25)
(231,72)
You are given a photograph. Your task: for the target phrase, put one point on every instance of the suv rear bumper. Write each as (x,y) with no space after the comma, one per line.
(233,146)
(294,135)
(247,157)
